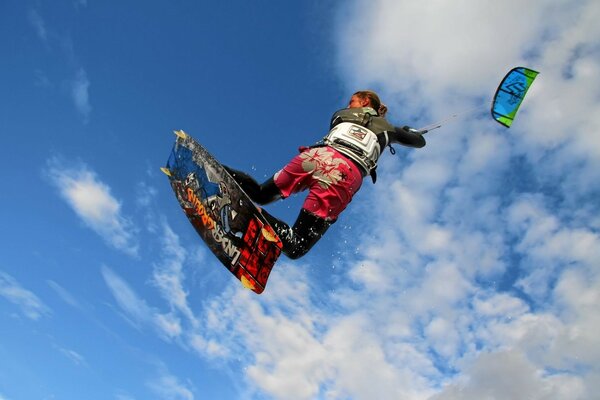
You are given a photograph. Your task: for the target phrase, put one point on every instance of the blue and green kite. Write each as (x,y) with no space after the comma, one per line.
(510,94)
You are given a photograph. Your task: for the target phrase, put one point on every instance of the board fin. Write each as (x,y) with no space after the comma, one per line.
(247,283)
(165,171)
(271,236)
(180,133)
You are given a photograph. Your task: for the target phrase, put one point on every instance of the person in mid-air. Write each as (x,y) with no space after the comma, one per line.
(332,171)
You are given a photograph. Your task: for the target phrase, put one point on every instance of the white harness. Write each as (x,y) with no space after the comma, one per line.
(357,142)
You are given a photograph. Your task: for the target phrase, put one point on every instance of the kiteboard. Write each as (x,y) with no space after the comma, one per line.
(226,219)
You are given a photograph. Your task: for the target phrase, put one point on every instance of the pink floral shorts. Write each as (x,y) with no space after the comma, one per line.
(330,177)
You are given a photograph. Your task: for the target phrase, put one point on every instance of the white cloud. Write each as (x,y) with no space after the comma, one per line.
(548,245)
(394,339)
(288,356)
(577,296)
(178,323)
(137,311)
(168,275)
(294,349)
(206,347)
(92,201)
(28,303)
(477,275)
(401,344)
(128,300)
(484,206)
(499,305)
(168,387)
(509,375)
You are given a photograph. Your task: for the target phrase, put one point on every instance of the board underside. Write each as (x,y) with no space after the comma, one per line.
(225,218)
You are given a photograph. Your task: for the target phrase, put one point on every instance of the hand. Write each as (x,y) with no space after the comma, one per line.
(414,131)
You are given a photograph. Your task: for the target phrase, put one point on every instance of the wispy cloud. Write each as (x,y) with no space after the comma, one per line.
(73,356)
(64,294)
(137,311)
(123,396)
(92,201)
(77,80)
(179,321)
(126,298)
(169,387)
(168,275)
(80,85)
(27,302)
(38,24)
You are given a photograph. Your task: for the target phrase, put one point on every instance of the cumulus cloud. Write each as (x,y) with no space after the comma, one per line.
(500,228)
(477,275)
(28,303)
(93,202)
(430,332)
(406,345)
(509,375)
(432,61)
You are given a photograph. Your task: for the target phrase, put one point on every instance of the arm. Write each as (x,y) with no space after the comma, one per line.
(406,136)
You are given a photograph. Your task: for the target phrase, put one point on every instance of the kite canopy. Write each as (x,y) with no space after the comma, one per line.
(510,94)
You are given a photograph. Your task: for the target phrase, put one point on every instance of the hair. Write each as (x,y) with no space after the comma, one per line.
(374,100)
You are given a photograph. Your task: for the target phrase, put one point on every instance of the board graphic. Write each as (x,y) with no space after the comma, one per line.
(223,215)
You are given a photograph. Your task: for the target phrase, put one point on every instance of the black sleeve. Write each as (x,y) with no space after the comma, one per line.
(404,137)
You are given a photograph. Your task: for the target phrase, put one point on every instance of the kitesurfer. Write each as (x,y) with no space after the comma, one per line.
(332,171)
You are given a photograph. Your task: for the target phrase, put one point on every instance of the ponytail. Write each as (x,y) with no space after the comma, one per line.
(374,100)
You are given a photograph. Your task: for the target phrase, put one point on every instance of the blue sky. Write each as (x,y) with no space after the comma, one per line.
(469,271)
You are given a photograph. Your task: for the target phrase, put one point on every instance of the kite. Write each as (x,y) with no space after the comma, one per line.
(510,94)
